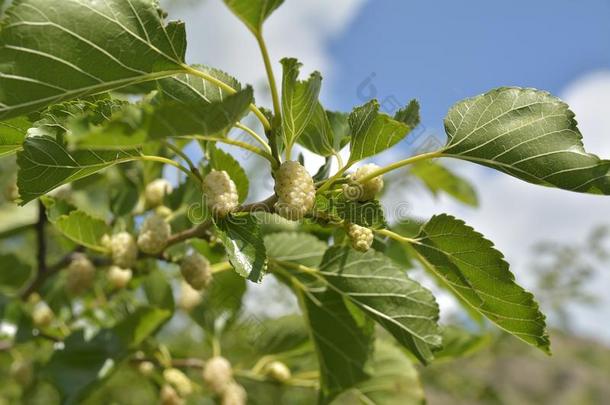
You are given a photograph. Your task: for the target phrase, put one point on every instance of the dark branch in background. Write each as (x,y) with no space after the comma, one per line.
(41,254)
(43,276)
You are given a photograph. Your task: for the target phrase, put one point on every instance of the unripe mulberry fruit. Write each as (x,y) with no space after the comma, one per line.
(154,234)
(361,237)
(169,396)
(23,372)
(179,381)
(196,271)
(124,250)
(234,394)
(218,374)
(155,192)
(364,191)
(295,190)
(80,275)
(42,315)
(146,368)
(118,277)
(278,371)
(221,193)
(189,297)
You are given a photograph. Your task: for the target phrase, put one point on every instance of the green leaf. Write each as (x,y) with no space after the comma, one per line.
(45,164)
(382,290)
(319,135)
(437,178)
(409,114)
(281,334)
(89,47)
(459,342)
(301,248)
(528,134)
(394,381)
(158,290)
(221,160)
(343,340)
(84,364)
(299,100)
(337,208)
(83,229)
(14,273)
(479,275)
(372,132)
(242,238)
(253,13)
(12,134)
(221,302)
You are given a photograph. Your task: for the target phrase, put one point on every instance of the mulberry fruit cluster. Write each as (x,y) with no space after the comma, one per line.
(196,271)
(154,234)
(42,315)
(124,250)
(366,191)
(189,297)
(361,237)
(155,192)
(295,190)
(169,396)
(80,275)
(221,193)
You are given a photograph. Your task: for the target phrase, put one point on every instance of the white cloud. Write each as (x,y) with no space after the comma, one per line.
(300,29)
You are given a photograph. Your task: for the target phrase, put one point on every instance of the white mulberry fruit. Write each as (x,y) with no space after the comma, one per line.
(118,277)
(169,396)
(189,297)
(124,250)
(234,394)
(155,192)
(221,193)
(295,190)
(154,234)
(278,371)
(218,374)
(364,191)
(42,315)
(361,237)
(196,271)
(81,273)
(179,381)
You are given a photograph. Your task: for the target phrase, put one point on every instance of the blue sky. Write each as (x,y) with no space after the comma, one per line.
(444,51)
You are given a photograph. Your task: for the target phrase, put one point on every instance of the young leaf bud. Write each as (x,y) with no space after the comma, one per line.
(154,234)
(361,237)
(363,191)
(179,381)
(221,193)
(295,190)
(217,374)
(81,273)
(124,250)
(118,277)
(155,192)
(278,371)
(196,270)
